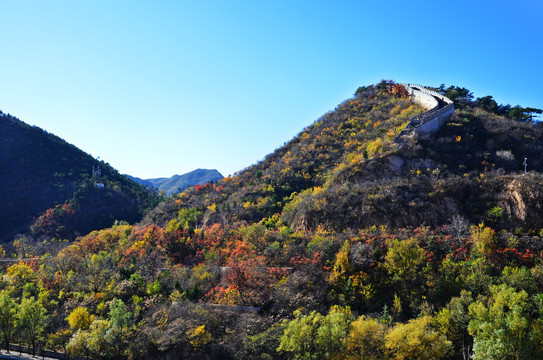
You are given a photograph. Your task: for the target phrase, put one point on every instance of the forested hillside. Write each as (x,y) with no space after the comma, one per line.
(40,172)
(345,171)
(340,244)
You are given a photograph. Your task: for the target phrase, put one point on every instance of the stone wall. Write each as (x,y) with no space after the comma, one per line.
(435,116)
(435,120)
(422,98)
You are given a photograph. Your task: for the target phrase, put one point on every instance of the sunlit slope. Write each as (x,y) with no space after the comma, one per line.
(345,171)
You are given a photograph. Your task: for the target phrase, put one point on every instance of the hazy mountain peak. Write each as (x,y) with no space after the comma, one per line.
(178,183)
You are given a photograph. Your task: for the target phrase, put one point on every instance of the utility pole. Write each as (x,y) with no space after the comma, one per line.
(96,173)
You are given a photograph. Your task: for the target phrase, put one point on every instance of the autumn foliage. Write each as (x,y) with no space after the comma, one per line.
(340,244)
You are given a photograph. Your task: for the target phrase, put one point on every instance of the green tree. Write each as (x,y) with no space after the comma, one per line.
(188,219)
(254,234)
(97,341)
(456,93)
(404,262)
(501,327)
(77,346)
(487,103)
(300,334)
(92,342)
(332,332)
(523,114)
(536,333)
(361,90)
(483,239)
(476,274)
(59,340)
(100,269)
(453,321)
(263,345)
(8,317)
(532,113)
(154,289)
(120,324)
(19,275)
(315,336)
(32,319)
(404,259)
(519,279)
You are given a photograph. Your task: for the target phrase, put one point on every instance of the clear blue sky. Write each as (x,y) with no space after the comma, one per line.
(157,88)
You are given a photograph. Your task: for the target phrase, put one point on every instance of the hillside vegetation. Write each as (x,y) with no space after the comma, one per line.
(340,244)
(345,172)
(45,178)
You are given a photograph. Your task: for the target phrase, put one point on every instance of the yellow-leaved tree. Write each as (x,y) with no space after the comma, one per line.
(199,337)
(342,268)
(417,339)
(80,319)
(366,339)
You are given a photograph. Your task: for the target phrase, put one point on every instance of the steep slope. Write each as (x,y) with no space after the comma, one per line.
(345,171)
(178,183)
(39,171)
(358,129)
(471,167)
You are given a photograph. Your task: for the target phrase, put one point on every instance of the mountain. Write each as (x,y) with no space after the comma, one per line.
(347,171)
(178,183)
(45,179)
(143,182)
(405,223)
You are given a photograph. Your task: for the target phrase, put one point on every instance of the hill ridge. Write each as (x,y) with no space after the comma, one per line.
(439,109)
(40,171)
(346,171)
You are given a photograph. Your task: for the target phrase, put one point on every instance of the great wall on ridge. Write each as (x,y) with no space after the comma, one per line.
(440,108)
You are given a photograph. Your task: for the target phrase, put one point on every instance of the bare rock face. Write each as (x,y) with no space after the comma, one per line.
(515,204)
(396,163)
(522,201)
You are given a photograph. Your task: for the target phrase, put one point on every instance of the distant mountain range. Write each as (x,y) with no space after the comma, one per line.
(178,183)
